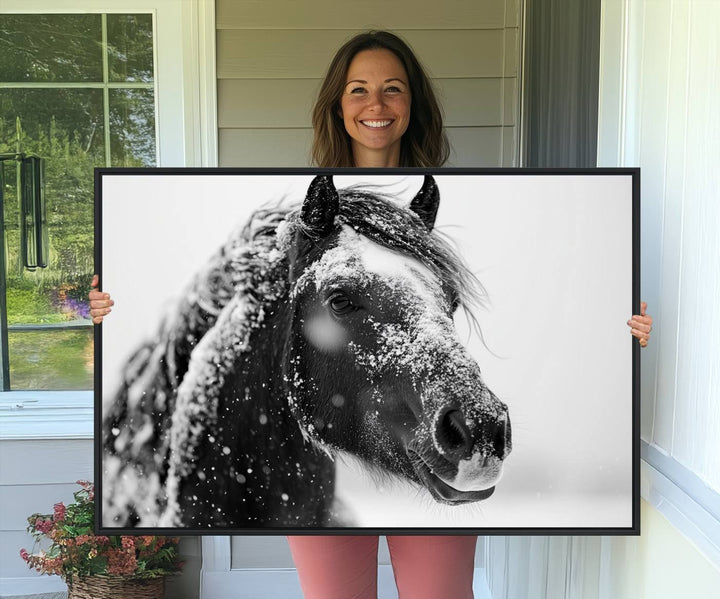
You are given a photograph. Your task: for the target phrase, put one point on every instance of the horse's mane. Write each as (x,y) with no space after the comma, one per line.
(379,217)
(393,226)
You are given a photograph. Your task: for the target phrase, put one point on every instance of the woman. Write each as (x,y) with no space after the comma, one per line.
(376,108)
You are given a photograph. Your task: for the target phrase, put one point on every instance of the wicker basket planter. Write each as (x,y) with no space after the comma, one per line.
(116,587)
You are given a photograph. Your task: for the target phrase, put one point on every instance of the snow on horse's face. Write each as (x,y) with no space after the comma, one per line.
(373,365)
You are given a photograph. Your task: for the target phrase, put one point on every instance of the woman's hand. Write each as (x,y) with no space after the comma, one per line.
(641,325)
(100,302)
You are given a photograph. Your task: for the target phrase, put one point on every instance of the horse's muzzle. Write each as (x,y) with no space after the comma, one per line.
(461,465)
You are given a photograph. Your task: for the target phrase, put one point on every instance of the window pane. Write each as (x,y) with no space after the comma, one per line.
(132,127)
(50,48)
(52,359)
(130,47)
(52,119)
(66,127)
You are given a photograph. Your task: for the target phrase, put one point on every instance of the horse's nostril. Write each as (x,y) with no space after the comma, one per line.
(453,434)
(499,440)
(502,439)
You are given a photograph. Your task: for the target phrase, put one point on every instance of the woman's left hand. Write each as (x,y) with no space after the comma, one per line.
(641,325)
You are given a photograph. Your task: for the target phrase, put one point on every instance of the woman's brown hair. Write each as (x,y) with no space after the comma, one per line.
(423,144)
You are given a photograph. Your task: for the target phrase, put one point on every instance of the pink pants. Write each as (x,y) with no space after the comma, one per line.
(342,567)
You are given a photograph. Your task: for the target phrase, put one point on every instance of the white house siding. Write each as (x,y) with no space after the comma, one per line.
(34,475)
(271,58)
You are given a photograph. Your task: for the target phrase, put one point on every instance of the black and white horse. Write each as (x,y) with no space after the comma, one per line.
(322,329)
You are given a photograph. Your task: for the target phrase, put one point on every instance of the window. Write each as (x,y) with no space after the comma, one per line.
(78,91)
(186,135)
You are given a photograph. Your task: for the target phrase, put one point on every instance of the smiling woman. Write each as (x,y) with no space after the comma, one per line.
(375,108)
(376,98)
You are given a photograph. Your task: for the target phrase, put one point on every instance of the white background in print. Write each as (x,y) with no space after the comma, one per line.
(554,254)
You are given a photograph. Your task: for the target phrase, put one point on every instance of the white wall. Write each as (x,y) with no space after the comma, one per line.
(660,86)
(34,475)
(660,564)
(660,109)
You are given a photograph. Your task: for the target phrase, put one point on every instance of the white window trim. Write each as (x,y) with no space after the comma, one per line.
(676,492)
(186,117)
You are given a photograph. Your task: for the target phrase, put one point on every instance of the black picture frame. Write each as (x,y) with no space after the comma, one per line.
(579,329)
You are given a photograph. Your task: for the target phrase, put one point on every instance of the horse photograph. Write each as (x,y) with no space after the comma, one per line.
(297,351)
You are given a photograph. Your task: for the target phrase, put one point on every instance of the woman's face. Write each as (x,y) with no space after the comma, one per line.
(375,107)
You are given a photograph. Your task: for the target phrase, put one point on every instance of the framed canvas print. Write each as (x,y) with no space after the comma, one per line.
(304,351)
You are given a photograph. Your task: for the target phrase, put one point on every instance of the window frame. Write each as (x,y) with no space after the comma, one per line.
(186,133)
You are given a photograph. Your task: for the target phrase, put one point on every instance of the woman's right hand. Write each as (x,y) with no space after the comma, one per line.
(100,302)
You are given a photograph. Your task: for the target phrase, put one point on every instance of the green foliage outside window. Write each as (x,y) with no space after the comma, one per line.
(81,89)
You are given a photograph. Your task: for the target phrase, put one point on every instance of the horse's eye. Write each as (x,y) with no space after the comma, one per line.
(340,304)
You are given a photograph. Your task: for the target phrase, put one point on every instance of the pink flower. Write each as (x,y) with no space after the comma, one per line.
(59,509)
(121,562)
(24,554)
(44,526)
(128,542)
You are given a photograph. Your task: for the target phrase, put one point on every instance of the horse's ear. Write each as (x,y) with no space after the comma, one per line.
(425,204)
(320,207)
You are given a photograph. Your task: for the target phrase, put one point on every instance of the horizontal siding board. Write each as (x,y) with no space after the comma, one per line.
(474,146)
(337,14)
(512,13)
(261,103)
(264,147)
(279,103)
(253,54)
(37,462)
(470,146)
(471,102)
(11,564)
(19,501)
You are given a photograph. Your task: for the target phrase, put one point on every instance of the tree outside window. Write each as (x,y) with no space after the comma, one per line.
(77,90)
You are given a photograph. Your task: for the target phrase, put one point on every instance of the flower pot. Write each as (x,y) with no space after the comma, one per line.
(116,587)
